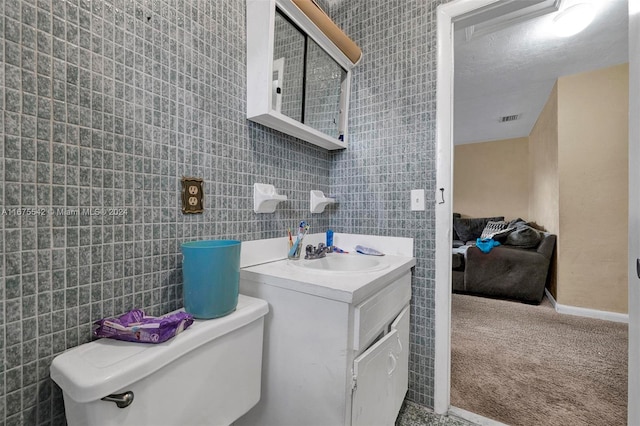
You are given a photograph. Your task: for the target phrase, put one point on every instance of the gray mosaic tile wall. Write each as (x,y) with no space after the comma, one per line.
(105,106)
(392,149)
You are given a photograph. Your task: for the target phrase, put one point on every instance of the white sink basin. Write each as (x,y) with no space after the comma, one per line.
(341,263)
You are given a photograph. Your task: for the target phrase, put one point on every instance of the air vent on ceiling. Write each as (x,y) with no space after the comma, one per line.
(507,118)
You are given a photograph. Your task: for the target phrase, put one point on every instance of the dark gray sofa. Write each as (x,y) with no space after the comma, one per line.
(507,271)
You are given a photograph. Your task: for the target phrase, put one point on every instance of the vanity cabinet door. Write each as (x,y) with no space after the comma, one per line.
(373,398)
(401,374)
(381,376)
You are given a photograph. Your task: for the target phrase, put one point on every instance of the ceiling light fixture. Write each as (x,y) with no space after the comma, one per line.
(573,19)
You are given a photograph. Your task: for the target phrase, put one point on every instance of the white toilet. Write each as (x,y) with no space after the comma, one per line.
(207,375)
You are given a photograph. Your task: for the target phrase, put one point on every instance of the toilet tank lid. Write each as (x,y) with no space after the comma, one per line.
(94,370)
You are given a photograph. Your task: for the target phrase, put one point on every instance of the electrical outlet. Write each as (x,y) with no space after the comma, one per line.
(192,195)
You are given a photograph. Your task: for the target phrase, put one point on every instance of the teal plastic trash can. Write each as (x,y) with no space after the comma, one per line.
(210,277)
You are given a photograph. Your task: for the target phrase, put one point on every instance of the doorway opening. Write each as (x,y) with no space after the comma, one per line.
(447,15)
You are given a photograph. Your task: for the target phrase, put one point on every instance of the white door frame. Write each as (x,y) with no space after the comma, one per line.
(633,409)
(444,178)
(447,14)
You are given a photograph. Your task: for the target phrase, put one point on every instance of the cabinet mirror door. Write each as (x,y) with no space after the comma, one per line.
(307,84)
(288,68)
(324,81)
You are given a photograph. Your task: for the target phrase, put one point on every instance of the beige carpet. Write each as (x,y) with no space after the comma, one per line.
(528,365)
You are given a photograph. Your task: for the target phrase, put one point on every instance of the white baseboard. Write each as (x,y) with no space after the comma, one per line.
(586,312)
(474,418)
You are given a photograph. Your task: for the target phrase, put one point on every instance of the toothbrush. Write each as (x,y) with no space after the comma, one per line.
(292,251)
(302,231)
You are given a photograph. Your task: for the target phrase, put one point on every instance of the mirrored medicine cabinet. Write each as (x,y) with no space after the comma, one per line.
(298,80)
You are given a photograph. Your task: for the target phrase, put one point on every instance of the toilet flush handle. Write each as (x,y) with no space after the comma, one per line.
(122,400)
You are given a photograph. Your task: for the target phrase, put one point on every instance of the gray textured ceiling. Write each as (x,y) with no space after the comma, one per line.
(512,71)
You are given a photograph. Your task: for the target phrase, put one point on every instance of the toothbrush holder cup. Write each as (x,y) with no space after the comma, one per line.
(295,250)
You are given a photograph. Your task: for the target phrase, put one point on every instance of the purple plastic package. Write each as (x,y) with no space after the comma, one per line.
(135,326)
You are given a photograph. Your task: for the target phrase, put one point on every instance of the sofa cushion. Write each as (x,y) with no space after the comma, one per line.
(524,236)
(468,229)
(455,234)
(457,261)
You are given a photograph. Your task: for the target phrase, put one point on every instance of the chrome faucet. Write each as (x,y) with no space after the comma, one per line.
(312,252)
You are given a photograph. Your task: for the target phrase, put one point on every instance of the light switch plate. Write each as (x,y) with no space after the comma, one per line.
(417,200)
(192,195)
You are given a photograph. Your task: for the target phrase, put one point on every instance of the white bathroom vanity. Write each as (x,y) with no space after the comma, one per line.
(336,343)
